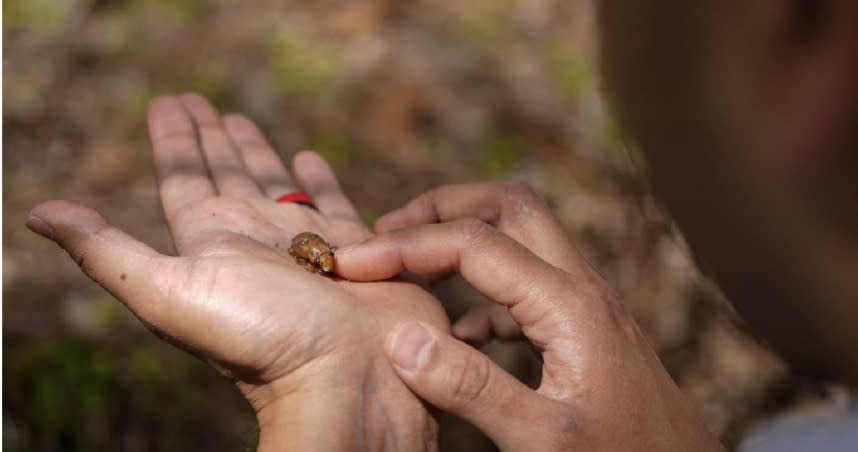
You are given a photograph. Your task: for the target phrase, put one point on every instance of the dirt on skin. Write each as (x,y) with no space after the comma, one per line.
(400,96)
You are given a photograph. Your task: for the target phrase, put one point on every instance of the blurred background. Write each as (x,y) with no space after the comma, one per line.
(400,96)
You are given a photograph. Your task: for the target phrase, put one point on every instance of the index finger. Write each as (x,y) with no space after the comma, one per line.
(511,206)
(493,263)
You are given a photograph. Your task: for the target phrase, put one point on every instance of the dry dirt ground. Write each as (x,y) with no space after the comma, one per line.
(400,96)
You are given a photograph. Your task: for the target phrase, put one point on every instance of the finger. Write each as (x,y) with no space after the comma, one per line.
(125,267)
(225,166)
(182,174)
(459,379)
(443,204)
(314,174)
(485,322)
(513,207)
(493,263)
(260,159)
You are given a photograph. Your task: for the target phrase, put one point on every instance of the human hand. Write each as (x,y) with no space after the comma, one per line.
(603,387)
(513,208)
(305,350)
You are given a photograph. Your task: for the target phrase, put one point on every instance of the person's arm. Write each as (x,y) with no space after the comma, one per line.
(325,419)
(603,387)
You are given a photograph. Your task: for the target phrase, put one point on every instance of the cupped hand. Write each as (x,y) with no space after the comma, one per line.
(603,387)
(306,350)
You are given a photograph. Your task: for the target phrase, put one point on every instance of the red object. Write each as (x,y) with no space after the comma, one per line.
(298,198)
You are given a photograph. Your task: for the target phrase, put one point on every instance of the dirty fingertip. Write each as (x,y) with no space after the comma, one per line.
(40,227)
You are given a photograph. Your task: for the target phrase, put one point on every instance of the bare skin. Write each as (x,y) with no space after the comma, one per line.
(305,351)
(298,345)
(603,387)
(748,127)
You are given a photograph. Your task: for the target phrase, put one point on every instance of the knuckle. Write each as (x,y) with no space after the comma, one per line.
(474,229)
(79,258)
(519,190)
(521,200)
(468,380)
(605,303)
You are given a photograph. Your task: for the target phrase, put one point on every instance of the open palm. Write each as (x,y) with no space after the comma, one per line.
(233,295)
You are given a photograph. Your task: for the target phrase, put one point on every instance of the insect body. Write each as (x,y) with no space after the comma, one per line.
(313,252)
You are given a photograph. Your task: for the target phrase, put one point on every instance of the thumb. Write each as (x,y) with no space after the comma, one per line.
(122,265)
(459,379)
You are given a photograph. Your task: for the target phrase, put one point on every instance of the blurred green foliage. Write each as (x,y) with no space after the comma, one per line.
(334,147)
(370,216)
(302,65)
(109,312)
(180,11)
(74,393)
(210,81)
(500,154)
(573,74)
(482,25)
(60,386)
(44,17)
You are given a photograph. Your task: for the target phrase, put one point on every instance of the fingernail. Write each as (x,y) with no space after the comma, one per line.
(353,246)
(39,226)
(411,346)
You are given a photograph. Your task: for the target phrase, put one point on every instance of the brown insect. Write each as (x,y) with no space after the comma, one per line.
(313,252)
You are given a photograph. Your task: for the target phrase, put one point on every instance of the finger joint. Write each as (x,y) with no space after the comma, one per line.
(470,380)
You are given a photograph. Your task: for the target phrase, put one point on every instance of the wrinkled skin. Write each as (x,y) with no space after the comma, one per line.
(304,350)
(602,386)
(746,113)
